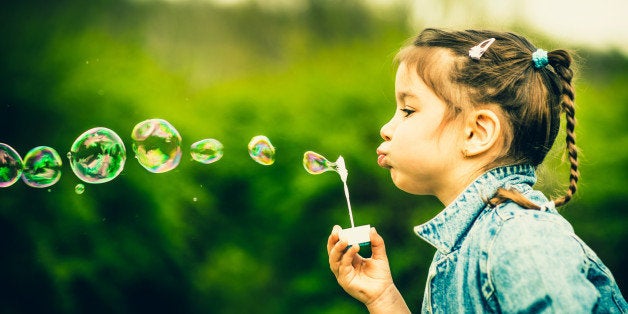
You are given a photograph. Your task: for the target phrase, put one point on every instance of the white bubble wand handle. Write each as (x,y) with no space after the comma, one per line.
(342,171)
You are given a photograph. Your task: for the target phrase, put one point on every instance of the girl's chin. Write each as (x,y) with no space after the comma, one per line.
(406,185)
(399,182)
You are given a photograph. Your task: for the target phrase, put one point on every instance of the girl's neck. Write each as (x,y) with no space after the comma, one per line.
(458,180)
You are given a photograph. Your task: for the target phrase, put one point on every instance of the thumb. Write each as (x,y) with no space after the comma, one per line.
(378,249)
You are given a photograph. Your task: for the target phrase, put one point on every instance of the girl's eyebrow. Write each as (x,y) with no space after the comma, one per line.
(401,96)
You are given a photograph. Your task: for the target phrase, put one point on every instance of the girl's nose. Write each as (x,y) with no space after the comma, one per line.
(386,131)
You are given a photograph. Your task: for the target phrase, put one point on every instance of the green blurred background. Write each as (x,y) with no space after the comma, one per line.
(235,236)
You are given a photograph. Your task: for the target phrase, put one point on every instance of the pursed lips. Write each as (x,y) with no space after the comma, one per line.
(381,158)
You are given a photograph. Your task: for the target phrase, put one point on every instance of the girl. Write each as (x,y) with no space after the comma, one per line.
(477,111)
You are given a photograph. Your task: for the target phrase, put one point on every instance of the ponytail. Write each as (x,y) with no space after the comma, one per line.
(560,61)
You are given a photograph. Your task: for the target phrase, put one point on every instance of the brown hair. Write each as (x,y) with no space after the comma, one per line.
(530,99)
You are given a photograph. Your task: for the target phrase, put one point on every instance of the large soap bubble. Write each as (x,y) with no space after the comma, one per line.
(207,151)
(42,167)
(157,145)
(10,165)
(316,163)
(97,155)
(261,150)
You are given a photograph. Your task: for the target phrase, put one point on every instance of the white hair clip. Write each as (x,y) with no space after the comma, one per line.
(477,51)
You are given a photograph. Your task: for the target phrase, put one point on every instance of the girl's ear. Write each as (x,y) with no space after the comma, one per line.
(482,130)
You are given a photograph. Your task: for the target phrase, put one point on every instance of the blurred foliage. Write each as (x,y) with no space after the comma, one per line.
(235,236)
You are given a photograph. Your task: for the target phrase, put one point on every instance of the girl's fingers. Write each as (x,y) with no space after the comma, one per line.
(333,238)
(347,260)
(336,254)
(378,249)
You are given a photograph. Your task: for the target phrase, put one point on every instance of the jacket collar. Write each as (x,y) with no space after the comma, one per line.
(450,226)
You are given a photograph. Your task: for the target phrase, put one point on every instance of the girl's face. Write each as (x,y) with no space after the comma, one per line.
(418,150)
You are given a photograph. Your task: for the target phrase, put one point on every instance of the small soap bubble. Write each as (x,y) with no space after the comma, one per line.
(42,167)
(207,151)
(97,155)
(316,163)
(157,145)
(261,150)
(10,165)
(79,189)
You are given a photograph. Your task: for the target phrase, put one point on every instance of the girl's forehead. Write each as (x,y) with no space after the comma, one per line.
(402,73)
(429,70)
(408,81)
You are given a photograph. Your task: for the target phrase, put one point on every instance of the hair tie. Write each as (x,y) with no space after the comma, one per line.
(539,57)
(477,51)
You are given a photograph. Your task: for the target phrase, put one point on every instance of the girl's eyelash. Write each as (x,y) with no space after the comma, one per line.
(407,111)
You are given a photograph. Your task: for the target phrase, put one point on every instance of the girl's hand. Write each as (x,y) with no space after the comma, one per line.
(367,279)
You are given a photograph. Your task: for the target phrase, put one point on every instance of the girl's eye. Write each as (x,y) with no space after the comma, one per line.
(407,111)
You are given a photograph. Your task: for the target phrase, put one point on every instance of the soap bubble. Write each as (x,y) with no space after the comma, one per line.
(10,165)
(42,167)
(261,150)
(157,145)
(79,189)
(207,151)
(97,155)
(316,163)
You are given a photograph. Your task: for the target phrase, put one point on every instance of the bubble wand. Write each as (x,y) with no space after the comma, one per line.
(342,171)
(315,163)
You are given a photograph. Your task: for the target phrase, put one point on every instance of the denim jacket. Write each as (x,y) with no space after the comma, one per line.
(510,259)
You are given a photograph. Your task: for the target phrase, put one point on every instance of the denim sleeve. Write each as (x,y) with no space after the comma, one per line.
(536,266)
